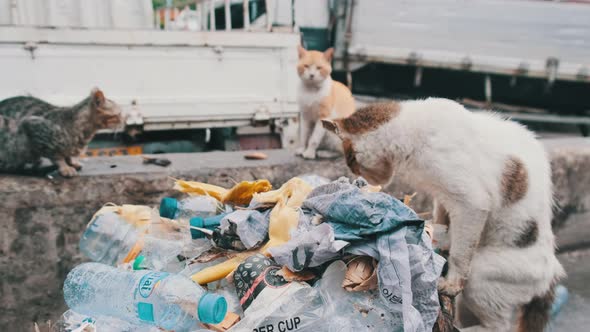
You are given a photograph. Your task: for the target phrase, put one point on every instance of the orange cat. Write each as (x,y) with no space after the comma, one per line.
(319,98)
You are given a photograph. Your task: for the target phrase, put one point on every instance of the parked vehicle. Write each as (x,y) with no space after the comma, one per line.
(181,88)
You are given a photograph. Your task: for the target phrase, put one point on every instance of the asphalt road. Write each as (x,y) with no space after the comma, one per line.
(575,315)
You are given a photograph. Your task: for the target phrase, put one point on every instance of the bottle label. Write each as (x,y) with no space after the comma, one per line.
(149,282)
(145,311)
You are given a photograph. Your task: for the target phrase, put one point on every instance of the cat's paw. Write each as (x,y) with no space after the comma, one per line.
(76,165)
(450,287)
(67,171)
(299,151)
(309,154)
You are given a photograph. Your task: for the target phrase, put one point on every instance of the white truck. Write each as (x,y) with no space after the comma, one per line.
(529,57)
(195,75)
(166,78)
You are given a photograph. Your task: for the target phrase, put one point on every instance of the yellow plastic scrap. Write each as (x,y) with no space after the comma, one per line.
(240,194)
(284,217)
(199,188)
(221,270)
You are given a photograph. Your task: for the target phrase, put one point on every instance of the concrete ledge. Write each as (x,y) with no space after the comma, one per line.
(41,220)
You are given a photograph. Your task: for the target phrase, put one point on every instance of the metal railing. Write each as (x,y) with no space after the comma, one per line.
(167,17)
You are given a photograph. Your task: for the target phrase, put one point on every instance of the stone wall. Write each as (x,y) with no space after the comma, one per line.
(41,220)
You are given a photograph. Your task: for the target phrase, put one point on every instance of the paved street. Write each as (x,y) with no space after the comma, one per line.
(575,315)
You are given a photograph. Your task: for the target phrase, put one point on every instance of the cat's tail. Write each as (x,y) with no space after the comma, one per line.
(535,315)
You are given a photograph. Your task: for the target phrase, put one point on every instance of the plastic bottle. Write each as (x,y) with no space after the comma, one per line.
(208,223)
(168,301)
(110,240)
(193,206)
(193,213)
(72,321)
(160,255)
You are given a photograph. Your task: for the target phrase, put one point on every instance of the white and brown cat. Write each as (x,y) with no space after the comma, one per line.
(319,97)
(491,181)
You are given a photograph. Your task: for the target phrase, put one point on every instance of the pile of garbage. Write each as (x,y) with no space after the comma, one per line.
(312,255)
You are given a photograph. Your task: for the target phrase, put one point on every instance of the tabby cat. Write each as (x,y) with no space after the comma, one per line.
(31,129)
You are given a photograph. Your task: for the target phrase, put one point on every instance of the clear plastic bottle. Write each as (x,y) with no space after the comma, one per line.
(169,301)
(110,240)
(193,206)
(72,321)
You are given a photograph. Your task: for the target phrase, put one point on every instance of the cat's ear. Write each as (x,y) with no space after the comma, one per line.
(332,126)
(97,97)
(329,53)
(301,51)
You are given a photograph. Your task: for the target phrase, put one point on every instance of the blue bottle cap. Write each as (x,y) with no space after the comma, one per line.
(212,308)
(168,207)
(209,223)
(197,222)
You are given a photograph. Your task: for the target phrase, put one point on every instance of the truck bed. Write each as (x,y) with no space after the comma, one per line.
(178,79)
(513,37)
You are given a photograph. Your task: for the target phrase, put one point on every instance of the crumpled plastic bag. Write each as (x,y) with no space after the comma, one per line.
(352,311)
(248,227)
(380,226)
(324,307)
(314,180)
(240,194)
(355,214)
(308,249)
(284,218)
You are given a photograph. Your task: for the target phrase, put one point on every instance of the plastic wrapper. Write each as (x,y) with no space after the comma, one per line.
(324,307)
(250,227)
(314,180)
